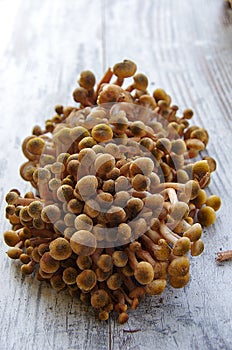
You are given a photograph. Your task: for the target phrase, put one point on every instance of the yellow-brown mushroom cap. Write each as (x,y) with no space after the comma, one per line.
(83,242)
(48,264)
(60,249)
(144,272)
(86,280)
(206,216)
(124,69)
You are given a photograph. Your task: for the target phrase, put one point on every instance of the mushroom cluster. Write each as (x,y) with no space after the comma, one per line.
(119,201)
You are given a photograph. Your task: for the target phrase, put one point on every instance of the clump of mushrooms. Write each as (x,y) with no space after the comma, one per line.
(119,200)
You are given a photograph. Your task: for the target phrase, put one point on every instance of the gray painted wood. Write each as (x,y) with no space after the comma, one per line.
(184,47)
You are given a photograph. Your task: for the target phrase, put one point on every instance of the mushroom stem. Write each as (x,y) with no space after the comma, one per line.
(128,300)
(171,194)
(153,235)
(37,241)
(226,255)
(160,251)
(118,81)
(105,79)
(193,232)
(121,304)
(45,233)
(145,256)
(26,201)
(168,234)
(133,262)
(166,185)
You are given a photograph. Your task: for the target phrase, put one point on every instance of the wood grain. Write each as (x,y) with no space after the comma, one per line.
(184,47)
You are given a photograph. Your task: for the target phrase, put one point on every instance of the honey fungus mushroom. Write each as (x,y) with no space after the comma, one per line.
(119,197)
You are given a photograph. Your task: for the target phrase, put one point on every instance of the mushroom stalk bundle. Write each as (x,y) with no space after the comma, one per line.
(119,200)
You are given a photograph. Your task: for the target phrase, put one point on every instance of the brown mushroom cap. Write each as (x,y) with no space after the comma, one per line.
(99,298)
(124,69)
(83,242)
(144,272)
(60,249)
(179,266)
(48,264)
(86,280)
(206,216)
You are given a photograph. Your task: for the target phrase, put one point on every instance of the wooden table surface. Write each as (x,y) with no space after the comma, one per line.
(184,47)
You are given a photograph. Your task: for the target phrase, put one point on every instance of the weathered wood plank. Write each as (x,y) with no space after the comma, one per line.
(46,46)
(185,47)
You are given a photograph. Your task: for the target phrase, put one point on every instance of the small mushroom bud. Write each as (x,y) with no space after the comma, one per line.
(83,243)
(86,280)
(102,276)
(84,262)
(140,83)
(124,232)
(211,162)
(179,210)
(114,282)
(35,208)
(69,275)
(35,146)
(120,258)
(115,215)
(75,206)
(87,186)
(11,238)
(147,101)
(124,70)
(214,202)
(87,80)
(206,216)
(65,193)
(200,200)
(134,206)
(104,163)
(123,318)
(140,182)
(81,95)
(105,262)
(138,129)
(49,264)
(102,133)
(193,232)
(50,213)
(60,249)
(179,266)
(144,272)
(179,281)
(157,286)
(86,142)
(160,94)
(119,121)
(83,222)
(197,247)
(142,165)
(192,189)
(99,298)
(103,315)
(57,283)
(92,208)
(104,200)
(24,258)
(28,269)
(14,253)
(200,169)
